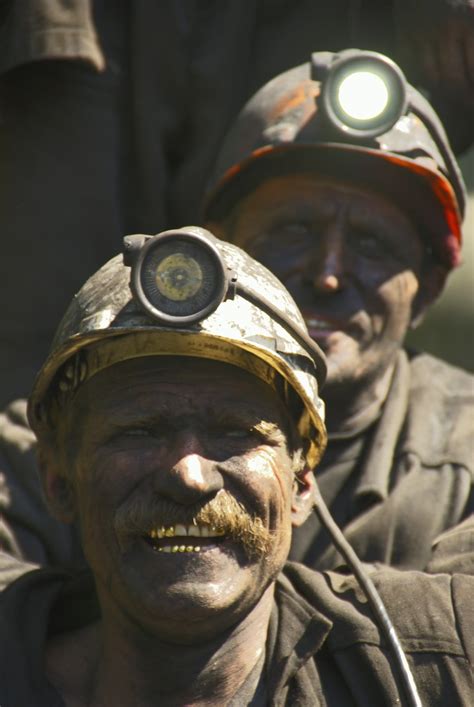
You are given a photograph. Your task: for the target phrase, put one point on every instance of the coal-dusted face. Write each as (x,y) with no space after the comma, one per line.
(350,258)
(184,490)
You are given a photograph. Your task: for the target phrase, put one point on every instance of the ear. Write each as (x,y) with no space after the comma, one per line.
(431,284)
(57,488)
(303,497)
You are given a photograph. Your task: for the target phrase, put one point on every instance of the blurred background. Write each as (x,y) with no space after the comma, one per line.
(448,330)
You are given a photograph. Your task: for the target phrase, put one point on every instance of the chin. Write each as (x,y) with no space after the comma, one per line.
(344,367)
(195,614)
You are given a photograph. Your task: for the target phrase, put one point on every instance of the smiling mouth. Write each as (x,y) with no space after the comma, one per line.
(184,538)
(314,323)
(321,326)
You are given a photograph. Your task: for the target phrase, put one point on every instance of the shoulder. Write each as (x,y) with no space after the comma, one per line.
(29,589)
(453,550)
(431,613)
(25,609)
(450,382)
(27,530)
(440,421)
(40,607)
(433,618)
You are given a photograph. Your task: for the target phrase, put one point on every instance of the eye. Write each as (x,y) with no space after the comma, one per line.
(286,235)
(368,243)
(144,433)
(236,433)
(292,234)
(137,432)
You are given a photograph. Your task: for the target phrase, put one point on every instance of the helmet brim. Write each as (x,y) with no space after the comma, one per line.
(101,349)
(423,194)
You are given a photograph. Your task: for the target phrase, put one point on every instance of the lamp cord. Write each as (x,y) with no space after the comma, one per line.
(373,597)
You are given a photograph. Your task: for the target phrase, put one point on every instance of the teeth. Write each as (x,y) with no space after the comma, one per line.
(196,531)
(179,548)
(318,324)
(215,533)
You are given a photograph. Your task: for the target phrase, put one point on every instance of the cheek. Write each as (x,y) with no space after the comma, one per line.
(270,478)
(104,481)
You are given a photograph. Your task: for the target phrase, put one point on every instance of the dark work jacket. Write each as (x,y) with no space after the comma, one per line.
(322,647)
(412,475)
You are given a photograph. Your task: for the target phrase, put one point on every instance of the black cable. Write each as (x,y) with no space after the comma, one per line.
(348,553)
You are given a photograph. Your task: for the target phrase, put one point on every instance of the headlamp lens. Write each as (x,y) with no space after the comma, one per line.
(179,277)
(363,95)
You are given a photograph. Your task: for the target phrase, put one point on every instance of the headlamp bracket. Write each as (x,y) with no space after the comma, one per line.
(132,246)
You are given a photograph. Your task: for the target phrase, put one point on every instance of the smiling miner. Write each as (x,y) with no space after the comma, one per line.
(178,423)
(338,176)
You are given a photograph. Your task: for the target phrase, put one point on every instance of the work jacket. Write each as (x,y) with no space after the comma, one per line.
(397,485)
(322,648)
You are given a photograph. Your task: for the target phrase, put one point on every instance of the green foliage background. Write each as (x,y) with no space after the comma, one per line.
(448,330)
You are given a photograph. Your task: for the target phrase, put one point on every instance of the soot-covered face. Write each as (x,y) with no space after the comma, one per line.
(183,488)
(351,259)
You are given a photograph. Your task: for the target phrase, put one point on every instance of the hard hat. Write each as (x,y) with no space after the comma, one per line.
(185,293)
(349,116)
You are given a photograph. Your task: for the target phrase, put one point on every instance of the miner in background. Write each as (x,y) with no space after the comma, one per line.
(360,217)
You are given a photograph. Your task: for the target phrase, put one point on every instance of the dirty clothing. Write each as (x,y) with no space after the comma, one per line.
(394,487)
(453,550)
(27,530)
(111,115)
(322,647)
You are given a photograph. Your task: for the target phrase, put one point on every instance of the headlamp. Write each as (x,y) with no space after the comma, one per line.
(362,93)
(180,277)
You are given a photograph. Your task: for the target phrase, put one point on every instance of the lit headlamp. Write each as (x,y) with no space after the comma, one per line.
(363,93)
(180,277)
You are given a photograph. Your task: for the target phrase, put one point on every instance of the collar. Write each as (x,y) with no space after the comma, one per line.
(377,462)
(296,632)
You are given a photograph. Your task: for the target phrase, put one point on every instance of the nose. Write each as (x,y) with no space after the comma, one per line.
(187,476)
(326,269)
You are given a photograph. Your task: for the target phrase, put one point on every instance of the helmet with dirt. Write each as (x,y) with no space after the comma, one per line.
(254,324)
(285,128)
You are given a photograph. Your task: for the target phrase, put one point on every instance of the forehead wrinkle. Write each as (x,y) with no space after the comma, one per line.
(145,396)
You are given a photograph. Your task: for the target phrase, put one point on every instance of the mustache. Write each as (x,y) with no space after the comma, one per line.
(223,512)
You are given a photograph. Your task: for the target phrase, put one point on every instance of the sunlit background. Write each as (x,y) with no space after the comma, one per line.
(448,330)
